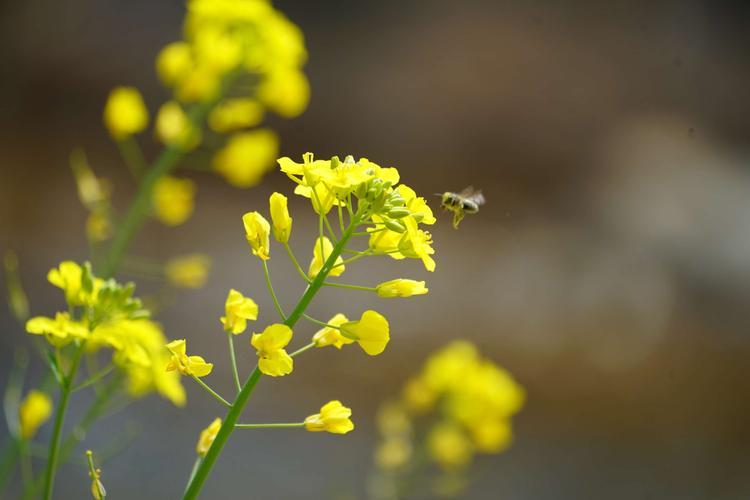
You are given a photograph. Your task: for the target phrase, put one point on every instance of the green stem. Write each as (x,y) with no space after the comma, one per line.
(230,339)
(8,463)
(227,426)
(94,378)
(296,263)
(351,287)
(133,156)
(269,426)
(303,349)
(27,473)
(212,392)
(271,292)
(320,323)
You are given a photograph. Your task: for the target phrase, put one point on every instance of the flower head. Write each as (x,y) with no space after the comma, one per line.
(247,157)
(173,200)
(401,288)
(207,437)
(370,331)
(238,309)
(417,244)
(125,114)
(282,223)
(273,360)
(68,276)
(186,365)
(257,231)
(173,127)
(188,271)
(321,251)
(449,446)
(235,114)
(329,335)
(333,418)
(59,331)
(35,409)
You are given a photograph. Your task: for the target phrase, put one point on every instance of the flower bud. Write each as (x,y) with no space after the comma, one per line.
(394,225)
(282,223)
(398,212)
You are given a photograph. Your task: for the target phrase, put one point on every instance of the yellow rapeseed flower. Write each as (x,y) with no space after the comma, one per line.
(282,223)
(333,418)
(257,232)
(449,446)
(321,251)
(285,91)
(207,437)
(174,62)
(273,360)
(59,331)
(371,332)
(188,271)
(235,114)
(173,127)
(186,365)
(246,157)
(238,309)
(35,409)
(393,452)
(492,435)
(125,113)
(173,200)
(417,244)
(67,276)
(332,336)
(401,288)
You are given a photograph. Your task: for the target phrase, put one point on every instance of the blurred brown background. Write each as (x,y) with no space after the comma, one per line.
(609,270)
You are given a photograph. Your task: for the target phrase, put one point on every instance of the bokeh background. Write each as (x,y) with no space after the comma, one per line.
(609,270)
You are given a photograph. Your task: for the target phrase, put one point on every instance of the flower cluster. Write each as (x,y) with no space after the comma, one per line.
(104,314)
(470,401)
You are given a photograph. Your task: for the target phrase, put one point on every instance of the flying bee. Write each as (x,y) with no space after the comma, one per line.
(467,201)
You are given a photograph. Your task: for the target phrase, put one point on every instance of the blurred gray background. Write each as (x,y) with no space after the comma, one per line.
(609,270)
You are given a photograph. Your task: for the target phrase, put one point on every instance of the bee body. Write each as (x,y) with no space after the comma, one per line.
(467,201)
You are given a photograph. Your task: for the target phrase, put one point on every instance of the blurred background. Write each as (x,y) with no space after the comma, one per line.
(609,270)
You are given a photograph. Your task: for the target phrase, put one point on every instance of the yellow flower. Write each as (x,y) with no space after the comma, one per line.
(370,331)
(173,62)
(401,288)
(235,114)
(173,127)
(173,200)
(321,251)
(333,418)
(322,198)
(35,409)
(449,446)
(273,359)
(282,223)
(59,331)
(188,271)
(98,226)
(246,157)
(125,113)
(491,435)
(332,336)
(418,396)
(257,231)
(207,437)
(285,91)
(67,276)
(416,204)
(199,84)
(393,452)
(416,244)
(238,309)
(186,365)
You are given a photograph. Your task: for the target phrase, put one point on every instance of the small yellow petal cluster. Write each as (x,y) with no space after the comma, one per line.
(173,200)
(282,222)
(188,271)
(333,417)
(125,113)
(207,437)
(35,409)
(236,114)
(238,309)
(331,335)
(257,233)
(94,194)
(174,128)
(273,360)
(322,249)
(371,332)
(247,157)
(186,365)
(400,288)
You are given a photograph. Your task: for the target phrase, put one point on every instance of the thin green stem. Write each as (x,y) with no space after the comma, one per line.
(133,156)
(296,263)
(271,292)
(302,349)
(341,217)
(351,287)
(352,259)
(235,372)
(8,462)
(94,378)
(269,426)
(212,392)
(27,473)
(196,464)
(319,323)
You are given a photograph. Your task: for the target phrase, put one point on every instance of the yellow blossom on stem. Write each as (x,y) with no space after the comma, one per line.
(238,309)
(173,127)
(333,418)
(491,435)
(417,244)
(273,360)
(285,91)
(449,446)
(125,113)
(67,276)
(246,157)
(174,62)
(188,271)
(371,332)
(207,437)
(418,396)
(235,114)
(257,231)
(332,336)
(393,452)
(282,223)
(35,409)
(59,331)
(401,288)
(321,251)
(173,200)
(186,365)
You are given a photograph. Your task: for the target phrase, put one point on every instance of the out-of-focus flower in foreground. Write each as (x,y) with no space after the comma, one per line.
(35,409)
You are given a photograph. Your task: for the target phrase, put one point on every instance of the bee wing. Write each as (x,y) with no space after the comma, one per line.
(477,197)
(466,192)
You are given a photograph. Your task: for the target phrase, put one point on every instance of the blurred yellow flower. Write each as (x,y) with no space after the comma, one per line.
(273,360)
(188,271)
(68,277)
(333,418)
(173,127)
(401,288)
(246,157)
(257,232)
(449,446)
(393,452)
(332,336)
(207,437)
(491,435)
(235,114)
(125,113)
(371,332)
(238,309)
(282,223)
(321,251)
(35,409)
(186,365)
(59,331)
(418,396)
(173,200)
(285,91)
(174,62)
